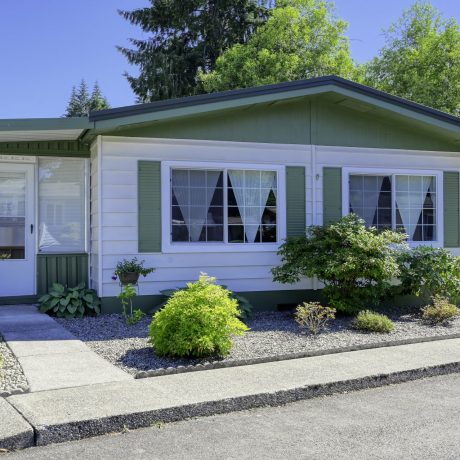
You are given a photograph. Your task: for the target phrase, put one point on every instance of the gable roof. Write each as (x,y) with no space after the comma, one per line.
(344,92)
(205,103)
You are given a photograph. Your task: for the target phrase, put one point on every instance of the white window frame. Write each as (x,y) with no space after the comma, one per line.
(346,172)
(169,246)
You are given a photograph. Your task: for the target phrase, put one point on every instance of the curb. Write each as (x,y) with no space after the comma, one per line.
(268,359)
(88,428)
(17,433)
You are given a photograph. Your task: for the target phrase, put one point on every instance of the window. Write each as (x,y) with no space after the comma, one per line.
(225,205)
(397,201)
(61,205)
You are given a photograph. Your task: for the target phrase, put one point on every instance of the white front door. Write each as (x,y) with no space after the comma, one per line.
(17,239)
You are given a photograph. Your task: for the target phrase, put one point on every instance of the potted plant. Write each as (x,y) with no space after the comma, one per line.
(128,271)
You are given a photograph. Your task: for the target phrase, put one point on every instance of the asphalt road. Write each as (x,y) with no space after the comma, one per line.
(416,420)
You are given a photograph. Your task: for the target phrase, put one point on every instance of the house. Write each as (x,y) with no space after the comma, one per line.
(214,183)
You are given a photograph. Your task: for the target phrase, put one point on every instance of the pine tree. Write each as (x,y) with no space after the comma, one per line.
(81,103)
(185,36)
(97,100)
(72,106)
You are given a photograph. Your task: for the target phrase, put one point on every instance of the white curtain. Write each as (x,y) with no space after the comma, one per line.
(194,191)
(251,190)
(367,203)
(410,202)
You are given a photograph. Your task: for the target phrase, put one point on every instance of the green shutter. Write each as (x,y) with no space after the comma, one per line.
(149,206)
(295,200)
(451,210)
(332,195)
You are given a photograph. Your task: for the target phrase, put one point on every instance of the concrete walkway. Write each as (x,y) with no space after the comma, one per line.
(75,413)
(50,356)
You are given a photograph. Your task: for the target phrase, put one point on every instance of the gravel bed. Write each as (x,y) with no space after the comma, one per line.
(12,378)
(272,334)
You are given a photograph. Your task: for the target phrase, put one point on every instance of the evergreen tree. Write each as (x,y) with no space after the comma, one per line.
(72,106)
(185,36)
(97,100)
(81,103)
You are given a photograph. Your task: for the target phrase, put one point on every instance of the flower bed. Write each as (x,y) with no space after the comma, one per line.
(272,334)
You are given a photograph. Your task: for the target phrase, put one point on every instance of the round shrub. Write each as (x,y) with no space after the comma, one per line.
(313,316)
(371,321)
(197,321)
(441,311)
(355,263)
(429,272)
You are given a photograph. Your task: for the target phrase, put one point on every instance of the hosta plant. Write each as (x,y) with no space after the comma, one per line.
(69,303)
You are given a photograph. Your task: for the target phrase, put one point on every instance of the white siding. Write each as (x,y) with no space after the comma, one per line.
(242,271)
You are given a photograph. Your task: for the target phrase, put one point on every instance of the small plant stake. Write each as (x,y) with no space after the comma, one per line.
(128,292)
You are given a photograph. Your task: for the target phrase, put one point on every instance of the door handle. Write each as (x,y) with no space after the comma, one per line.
(31,228)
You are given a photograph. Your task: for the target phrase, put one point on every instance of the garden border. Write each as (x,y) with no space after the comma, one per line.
(267,359)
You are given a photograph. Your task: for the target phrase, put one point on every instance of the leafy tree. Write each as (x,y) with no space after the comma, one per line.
(81,102)
(420,60)
(301,39)
(185,36)
(355,263)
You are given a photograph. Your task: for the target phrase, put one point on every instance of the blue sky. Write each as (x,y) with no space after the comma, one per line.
(47,46)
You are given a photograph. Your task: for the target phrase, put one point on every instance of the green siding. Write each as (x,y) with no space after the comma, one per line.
(149,203)
(337,125)
(319,120)
(451,210)
(295,200)
(284,123)
(332,195)
(67,269)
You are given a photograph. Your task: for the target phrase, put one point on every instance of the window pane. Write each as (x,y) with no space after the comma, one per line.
(370,199)
(12,215)
(197,204)
(61,205)
(252,202)
(416,206)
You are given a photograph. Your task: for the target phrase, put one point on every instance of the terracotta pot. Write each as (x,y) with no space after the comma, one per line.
(129,278)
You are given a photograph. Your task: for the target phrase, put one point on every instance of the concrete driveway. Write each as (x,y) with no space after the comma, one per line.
(416,420)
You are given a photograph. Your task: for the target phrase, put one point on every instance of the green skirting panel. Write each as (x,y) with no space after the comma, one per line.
(67,269)
(261,300)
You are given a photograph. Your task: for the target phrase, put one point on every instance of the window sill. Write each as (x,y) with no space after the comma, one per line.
(174,248)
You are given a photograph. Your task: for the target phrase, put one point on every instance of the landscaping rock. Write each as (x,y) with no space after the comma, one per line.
(12,378)
(273,336)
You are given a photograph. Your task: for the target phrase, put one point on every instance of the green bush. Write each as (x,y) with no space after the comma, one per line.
(441,311)
(355,263)
(313,316)
(428,272)
(70,302)
(244,305)
(197,321)
(371,321)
